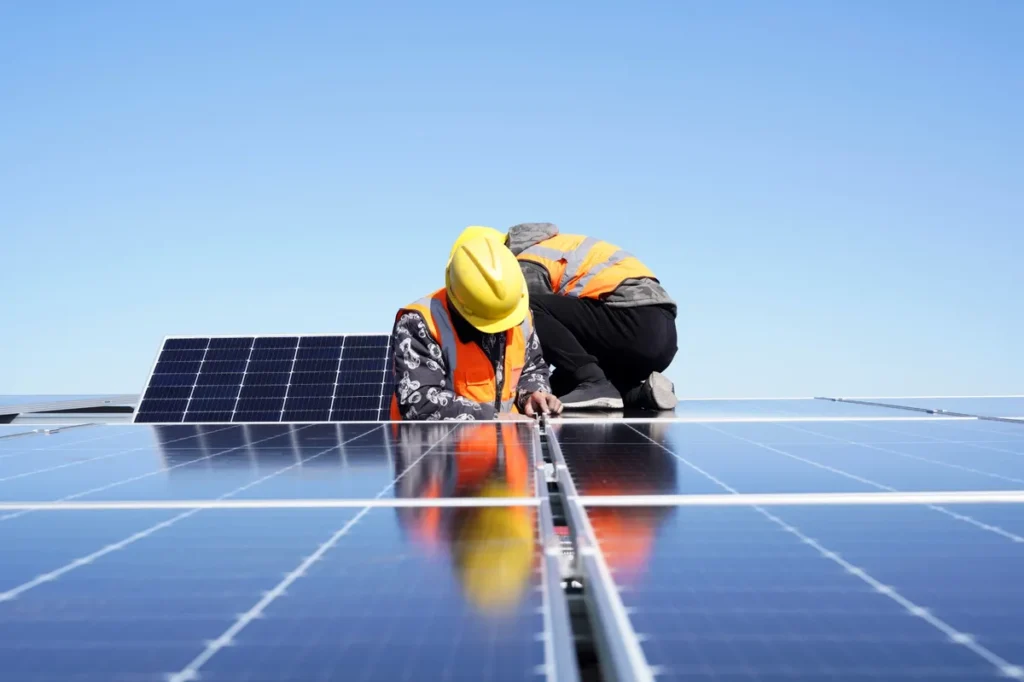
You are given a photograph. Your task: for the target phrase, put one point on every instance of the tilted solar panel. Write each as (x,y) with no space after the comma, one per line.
(315,378)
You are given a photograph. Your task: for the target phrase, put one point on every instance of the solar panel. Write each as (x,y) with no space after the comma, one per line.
(775,540)
(418,567)
(269,379)
(827,592)
(351,461)
(736,552)
(264,595)
(839,457)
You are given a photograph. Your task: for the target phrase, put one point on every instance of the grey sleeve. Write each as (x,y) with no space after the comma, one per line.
(538,281)
(524,235)
(421,386)
(536,374)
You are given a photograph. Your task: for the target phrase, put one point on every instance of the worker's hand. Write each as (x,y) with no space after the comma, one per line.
(540,403)
(512,417)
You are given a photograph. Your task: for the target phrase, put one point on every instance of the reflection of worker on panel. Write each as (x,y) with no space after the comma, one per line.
(469,350)
(492,548)
(626,534)
(604,320)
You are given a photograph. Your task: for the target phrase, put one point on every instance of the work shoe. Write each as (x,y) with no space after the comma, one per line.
(593,394)
(655,393)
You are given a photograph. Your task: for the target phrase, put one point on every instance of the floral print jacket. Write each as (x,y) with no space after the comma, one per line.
(421,385)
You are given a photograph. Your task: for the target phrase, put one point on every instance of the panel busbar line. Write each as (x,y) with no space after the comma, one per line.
(316,378)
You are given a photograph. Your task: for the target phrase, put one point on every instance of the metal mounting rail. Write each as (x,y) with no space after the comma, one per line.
(560,650)
(621,657)
(45,431)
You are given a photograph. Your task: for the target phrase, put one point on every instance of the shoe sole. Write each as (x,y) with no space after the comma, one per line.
(595,404)
(662,391)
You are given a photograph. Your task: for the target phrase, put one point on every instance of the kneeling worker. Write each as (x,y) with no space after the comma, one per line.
(604,320)
(469,350)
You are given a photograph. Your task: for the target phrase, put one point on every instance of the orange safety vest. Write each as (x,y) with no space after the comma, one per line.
(470,373)
(584,267)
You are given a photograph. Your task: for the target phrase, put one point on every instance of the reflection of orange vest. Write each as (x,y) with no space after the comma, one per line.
(626,537)
(470,372)
(584,267)
(478,460)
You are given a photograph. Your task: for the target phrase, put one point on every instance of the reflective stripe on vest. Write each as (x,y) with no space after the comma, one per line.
(573,258)
(574,281)
(445,333)
(616,257)
(527,327)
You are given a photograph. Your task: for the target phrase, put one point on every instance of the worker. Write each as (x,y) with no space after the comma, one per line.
(604,321)
(469,350)
(491,546)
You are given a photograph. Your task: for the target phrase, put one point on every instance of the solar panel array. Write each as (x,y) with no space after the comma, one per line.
(771,540)
(269,379)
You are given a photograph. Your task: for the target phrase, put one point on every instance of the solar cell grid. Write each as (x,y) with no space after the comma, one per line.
(269,379)
(818,592)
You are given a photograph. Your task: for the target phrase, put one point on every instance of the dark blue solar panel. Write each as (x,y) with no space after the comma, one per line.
(663,457)
(270,379)
(342,594)
(269,461)
(826,592)
(272,461)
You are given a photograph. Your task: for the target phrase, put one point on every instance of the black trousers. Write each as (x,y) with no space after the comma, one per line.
(626,343)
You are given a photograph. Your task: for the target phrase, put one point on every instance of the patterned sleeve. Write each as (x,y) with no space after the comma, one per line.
(420,384)
(536,374)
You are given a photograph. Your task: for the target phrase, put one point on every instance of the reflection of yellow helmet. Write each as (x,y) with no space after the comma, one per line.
(472,232)
(494,551)
(486,286)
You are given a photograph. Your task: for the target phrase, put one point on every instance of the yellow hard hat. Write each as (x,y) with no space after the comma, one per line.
(472,232)
(494,553)
(486,286)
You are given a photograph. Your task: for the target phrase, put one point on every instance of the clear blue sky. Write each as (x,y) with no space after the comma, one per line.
(833,191)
